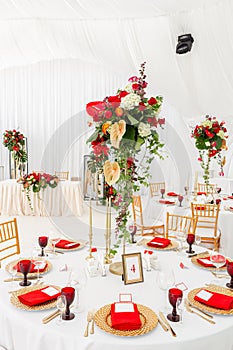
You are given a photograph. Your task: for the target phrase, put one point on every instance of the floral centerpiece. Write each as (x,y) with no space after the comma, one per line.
(210,139)
(37,182)
(15,142)
(125,124)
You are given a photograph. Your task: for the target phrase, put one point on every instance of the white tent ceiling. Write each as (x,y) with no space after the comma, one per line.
(57,55)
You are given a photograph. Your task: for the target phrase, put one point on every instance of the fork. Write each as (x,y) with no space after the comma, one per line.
(92,331)
(89,319)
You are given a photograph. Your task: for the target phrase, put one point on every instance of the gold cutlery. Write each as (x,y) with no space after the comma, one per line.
(21,278)
(219,275)
(190,309)
(25,288)
(51,316)
(165,328)
(203,253)
(89,319)
(92,331)
(197,308)
(163,318)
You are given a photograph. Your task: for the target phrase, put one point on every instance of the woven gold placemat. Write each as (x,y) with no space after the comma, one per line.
(202,256)
(82,245)
(171,246)
(148,318)
(45,306)
(207,308)
(19,274)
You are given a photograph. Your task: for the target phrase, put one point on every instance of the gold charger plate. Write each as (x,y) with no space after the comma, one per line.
(171,246)
(148,318)
(82,245)
(207,308)
(202,256)
(45,306)
(19,274)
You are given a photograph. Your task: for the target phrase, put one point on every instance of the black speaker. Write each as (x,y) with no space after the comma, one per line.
(185,43)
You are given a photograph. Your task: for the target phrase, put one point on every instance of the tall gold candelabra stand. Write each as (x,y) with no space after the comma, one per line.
(107,258)
(90,256)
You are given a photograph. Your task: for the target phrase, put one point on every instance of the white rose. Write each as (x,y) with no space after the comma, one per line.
(144,129)
(221,134)
(207,143)
(130,101)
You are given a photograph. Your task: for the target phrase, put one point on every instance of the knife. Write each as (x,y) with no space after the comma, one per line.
(165,328)
(190,256)
(192,310)
(167,323)
(51,316)
(201,311)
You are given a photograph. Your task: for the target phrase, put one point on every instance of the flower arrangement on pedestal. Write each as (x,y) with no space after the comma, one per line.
(37,182)
(210,139)
(125,124)
(15,142)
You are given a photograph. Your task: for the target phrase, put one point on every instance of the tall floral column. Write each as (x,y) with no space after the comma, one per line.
(125,124)
(210,139)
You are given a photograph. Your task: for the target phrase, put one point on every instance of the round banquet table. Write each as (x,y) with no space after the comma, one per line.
(64,200)
(24,329)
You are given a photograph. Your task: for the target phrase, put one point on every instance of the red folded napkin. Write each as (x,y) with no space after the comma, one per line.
(217,300)
(230,197)
(39,296)
(172,194)
(125,321)
(200,193)
(205,263)
(164,201)
(159,242)
(33,268)
(64,244)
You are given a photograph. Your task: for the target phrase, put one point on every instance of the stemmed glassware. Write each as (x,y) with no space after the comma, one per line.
(38,262)
(165,279)
(190,240)
(197,239)
(53,242)
(174,294)
(218,259)
(69,294)
(180,199)
(43,241)
(61,305)
(132,229)
(13,271)
(186,188)
(162,191)
(78,280)
(25,266)
(230,272)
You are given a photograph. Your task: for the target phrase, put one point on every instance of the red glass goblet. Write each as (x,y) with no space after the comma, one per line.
(230,271)
(43,241)
(180,199)
(162,191)
(190,240)
(25,266)
(173,295)
(69,293)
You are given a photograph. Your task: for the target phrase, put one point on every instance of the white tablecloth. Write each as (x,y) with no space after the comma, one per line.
(66,199)
(24,329)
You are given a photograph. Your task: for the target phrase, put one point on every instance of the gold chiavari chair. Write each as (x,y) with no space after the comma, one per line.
(62,175)
(9,239)
(153,228)
(155,188)
(208,189)
(179,224)
(207,222)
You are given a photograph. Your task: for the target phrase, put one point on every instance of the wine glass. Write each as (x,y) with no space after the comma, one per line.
(25,266)
(132,229)
(218,259)
(61,305)
(180,199)
(218,190)
(38,262)
(174,294)
(180,307)
(78,280)
(180,235)
(165,279)
(186,188)
(230,271)
(43,241)
(53,242)
(68,293)
(162,191)
(13,271)
(190,240)
(197,239)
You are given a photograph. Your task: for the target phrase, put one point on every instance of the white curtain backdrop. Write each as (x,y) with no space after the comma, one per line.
(57,55)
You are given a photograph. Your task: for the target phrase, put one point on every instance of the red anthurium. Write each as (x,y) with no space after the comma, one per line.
(114,101)
(212,153)
(123,93)
(93,108)
(209,134)
(133,79)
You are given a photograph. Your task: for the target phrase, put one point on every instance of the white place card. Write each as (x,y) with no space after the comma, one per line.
(50,291)
(206,261)
(70,244)
(124,307)
(156,243)
(205,295)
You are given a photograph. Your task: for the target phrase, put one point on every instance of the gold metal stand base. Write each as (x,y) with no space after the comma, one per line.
(116,268)
(107,260)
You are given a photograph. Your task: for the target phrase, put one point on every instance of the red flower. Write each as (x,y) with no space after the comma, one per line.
(135,86)
(133,79)
(212,152)
(161,121)
(16,148)
(119,112)
(153,121)
(141,106)
(99,150)
(114,101)
(107,114)
(93,108)
(144,84)
(209,134)
(130,162)
(97,141)
(123,93)
(152,101)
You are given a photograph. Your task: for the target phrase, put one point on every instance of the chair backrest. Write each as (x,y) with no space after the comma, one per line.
(137,210)
(9,239)
(62,175)
(207,216)
(178,223)
(208,189)
(155,188)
